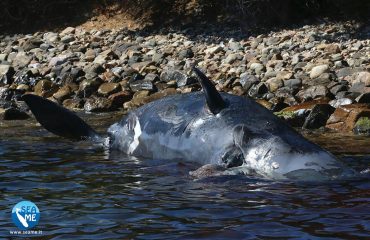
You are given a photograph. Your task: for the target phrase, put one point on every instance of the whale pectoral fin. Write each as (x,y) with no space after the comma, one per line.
(57,119)
(233,157)
(214,100)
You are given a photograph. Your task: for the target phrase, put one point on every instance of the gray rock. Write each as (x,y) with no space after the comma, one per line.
(214,50)
(68,39)
(247,80)
(14,114)
(312,93)
(274,84)
(21,60)
(6,74)
(257,67)
(58,60)
(363,98)
(318,116)
(293,83)
(141,85)
(180,78)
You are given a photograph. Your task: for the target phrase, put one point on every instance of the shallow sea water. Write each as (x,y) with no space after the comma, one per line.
(87,192)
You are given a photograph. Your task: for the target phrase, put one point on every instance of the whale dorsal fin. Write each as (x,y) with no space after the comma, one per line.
(57,119)
(214,100)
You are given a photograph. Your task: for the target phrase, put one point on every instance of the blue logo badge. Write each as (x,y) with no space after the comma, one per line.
(25,215)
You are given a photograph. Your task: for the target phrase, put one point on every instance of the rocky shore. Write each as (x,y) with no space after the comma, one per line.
(313,76)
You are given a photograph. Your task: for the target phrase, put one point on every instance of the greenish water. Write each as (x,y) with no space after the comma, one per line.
(87,192)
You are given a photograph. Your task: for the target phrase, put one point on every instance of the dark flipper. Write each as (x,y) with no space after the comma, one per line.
(58,120)
(214,100)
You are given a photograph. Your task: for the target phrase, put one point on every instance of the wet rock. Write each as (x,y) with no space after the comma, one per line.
(363,98)
(138,100)
(119,98)
(180,78)
(161,94)
(207,170)
(68,38)
(345,117)
(341,101)
(89,86)
(318,70)
(92,70)
(45,88)
(63,93)
(362,126)
(74,103)
(141,85)
(107,89)
(104,56)
(14,114)
(98,105)
(318,116)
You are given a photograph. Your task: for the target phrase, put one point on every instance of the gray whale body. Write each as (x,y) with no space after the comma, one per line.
(207,127)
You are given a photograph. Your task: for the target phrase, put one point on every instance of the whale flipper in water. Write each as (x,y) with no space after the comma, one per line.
(59,120)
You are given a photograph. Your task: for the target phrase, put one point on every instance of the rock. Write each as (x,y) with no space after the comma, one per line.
(214,50)
(107,89)
(158,57)
(67,31)
(74,103)
(6,74)
(258,90)
(138,100)
(21,60)
(361,77)
(45,88)
(247,80)
(318,116)
(293,83)
(63,93)
(362,126)
(50,37)
(104,56)
(207,170)
(363,98)
(313,93)
(180,78)
(293,118)
(14,114)
(318,70)
(185,53)
(98,105)
(89,86)
(141,85)
(92,70)
(274,84)
(231,58)
(68,38)
(152,77)
(119,98)
(345,117)
(58,60)
(257,67)
(340,102)
(332,48)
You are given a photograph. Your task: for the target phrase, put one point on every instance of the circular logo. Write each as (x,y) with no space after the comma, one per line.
(25,215)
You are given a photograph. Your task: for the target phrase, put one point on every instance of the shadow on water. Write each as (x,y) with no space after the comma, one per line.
(87,192)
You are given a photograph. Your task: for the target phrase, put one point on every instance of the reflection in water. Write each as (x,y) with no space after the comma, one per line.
(88,191)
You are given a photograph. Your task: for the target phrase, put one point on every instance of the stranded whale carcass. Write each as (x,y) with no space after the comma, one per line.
(209,127)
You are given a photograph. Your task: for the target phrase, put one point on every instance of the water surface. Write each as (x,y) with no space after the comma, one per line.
(86,192)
